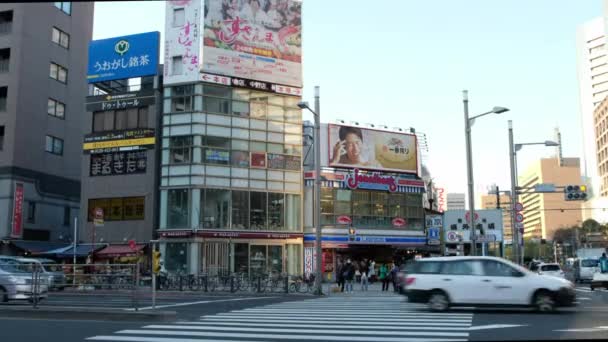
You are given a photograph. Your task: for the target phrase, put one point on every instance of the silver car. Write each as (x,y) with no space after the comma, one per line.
(16,284)
(48,269)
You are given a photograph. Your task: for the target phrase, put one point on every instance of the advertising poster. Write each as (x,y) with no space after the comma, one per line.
(363,148)
(123,57)
(17,229)
(182,41)
(254,39)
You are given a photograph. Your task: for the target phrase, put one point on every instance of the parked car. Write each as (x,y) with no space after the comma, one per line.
(551,269)
(17,284)
(584,269)
(484,281)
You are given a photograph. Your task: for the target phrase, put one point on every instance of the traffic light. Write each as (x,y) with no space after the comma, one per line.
(351,234)
(156,262)
(575,192)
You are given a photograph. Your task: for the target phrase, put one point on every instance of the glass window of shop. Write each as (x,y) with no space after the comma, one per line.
(241,258)
(237,102)
(250,210)
(178,208)
(370,208)
(176,257)
(215,208)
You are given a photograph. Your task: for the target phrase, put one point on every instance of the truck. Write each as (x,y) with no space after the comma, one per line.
(586,263)
(590,253)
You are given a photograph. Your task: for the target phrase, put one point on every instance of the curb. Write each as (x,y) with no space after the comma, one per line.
(79,313)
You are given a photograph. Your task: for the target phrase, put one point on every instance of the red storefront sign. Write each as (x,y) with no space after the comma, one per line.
(343,219)
(398,222)
(17,229)
(248,235)
(177,233)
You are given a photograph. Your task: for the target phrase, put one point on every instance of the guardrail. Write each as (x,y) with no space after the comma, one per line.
(236,283)
(127,284)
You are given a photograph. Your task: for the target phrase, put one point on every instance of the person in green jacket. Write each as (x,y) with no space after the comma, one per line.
(383,276)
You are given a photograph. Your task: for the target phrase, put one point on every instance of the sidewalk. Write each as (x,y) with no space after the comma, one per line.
(374,290)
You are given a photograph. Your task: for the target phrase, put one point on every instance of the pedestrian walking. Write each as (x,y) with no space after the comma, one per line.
(393,276)
(364,276)
(340,276)
(349,275)
(383,276)
(372,272)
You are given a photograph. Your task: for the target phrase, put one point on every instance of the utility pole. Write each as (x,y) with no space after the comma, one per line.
(467,131)
(514,231)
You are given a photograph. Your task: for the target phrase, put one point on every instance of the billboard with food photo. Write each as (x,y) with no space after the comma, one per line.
(363,148)
(254,39)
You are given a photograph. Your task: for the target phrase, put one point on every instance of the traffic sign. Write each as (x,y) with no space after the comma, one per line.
(519,206)
(544,187)
(467,216)
(519,217)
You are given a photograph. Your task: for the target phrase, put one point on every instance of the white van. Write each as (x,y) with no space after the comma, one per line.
(585,268)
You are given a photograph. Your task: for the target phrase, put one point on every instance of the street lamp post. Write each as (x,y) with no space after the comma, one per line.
(517,243)
(468,123)
(317,189)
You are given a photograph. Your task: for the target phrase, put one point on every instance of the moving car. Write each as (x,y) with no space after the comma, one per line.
(551,269)
(484,281)
(16,284)
(584,269)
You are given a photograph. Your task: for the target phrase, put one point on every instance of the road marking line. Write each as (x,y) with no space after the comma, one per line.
(388,332)
(583,290)
(496,326)
(349,312)
(174,339)
(354,325)
(583,298)
(333,318)
(285,336)
(199,302)
(353,321)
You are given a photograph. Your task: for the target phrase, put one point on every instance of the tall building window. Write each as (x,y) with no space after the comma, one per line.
(66,216)
(178,208)
(31,212)
(58,73)
(181,149)
(120,119)
(54,145)
(3,95)
(5,58)
(60,38)
(64,6)
(258,208)
(240,210)
(179,16)
(6,22)
(177,65)
(216,208)
(56,109)
(1,138)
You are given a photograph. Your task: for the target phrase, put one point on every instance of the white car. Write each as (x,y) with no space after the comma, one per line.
(551,270)
(484,281)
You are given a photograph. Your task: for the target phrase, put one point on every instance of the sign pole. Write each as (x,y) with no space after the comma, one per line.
(75,238)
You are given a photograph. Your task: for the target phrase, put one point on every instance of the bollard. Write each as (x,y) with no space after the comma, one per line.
(35,280)
(232,284)
(136,283)
(205,283)
(181,278)
(259,284)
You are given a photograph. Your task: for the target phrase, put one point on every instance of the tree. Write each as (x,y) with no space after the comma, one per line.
(562,235)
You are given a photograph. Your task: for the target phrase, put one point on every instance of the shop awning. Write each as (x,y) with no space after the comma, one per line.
(81,250)
(35,247)
(115,251)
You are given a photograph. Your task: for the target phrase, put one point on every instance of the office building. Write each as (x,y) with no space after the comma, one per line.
(231,163)
(592,72)
(455,201)
(546,212)
(43,65)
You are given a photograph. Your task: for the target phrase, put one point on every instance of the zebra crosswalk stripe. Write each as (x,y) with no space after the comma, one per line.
(321,319)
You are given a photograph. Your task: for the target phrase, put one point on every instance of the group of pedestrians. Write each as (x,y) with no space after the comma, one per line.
(364,273)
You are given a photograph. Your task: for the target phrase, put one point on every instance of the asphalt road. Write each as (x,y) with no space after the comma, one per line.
(371,316)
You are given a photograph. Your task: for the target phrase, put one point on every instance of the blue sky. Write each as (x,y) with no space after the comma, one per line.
(404,63)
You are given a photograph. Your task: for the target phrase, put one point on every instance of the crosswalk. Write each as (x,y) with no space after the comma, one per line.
(357,318)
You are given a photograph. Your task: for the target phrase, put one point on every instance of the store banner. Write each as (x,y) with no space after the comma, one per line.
(128,100)
(244,39)
(17,229)
(308,260)
(118,163)
(364,148)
